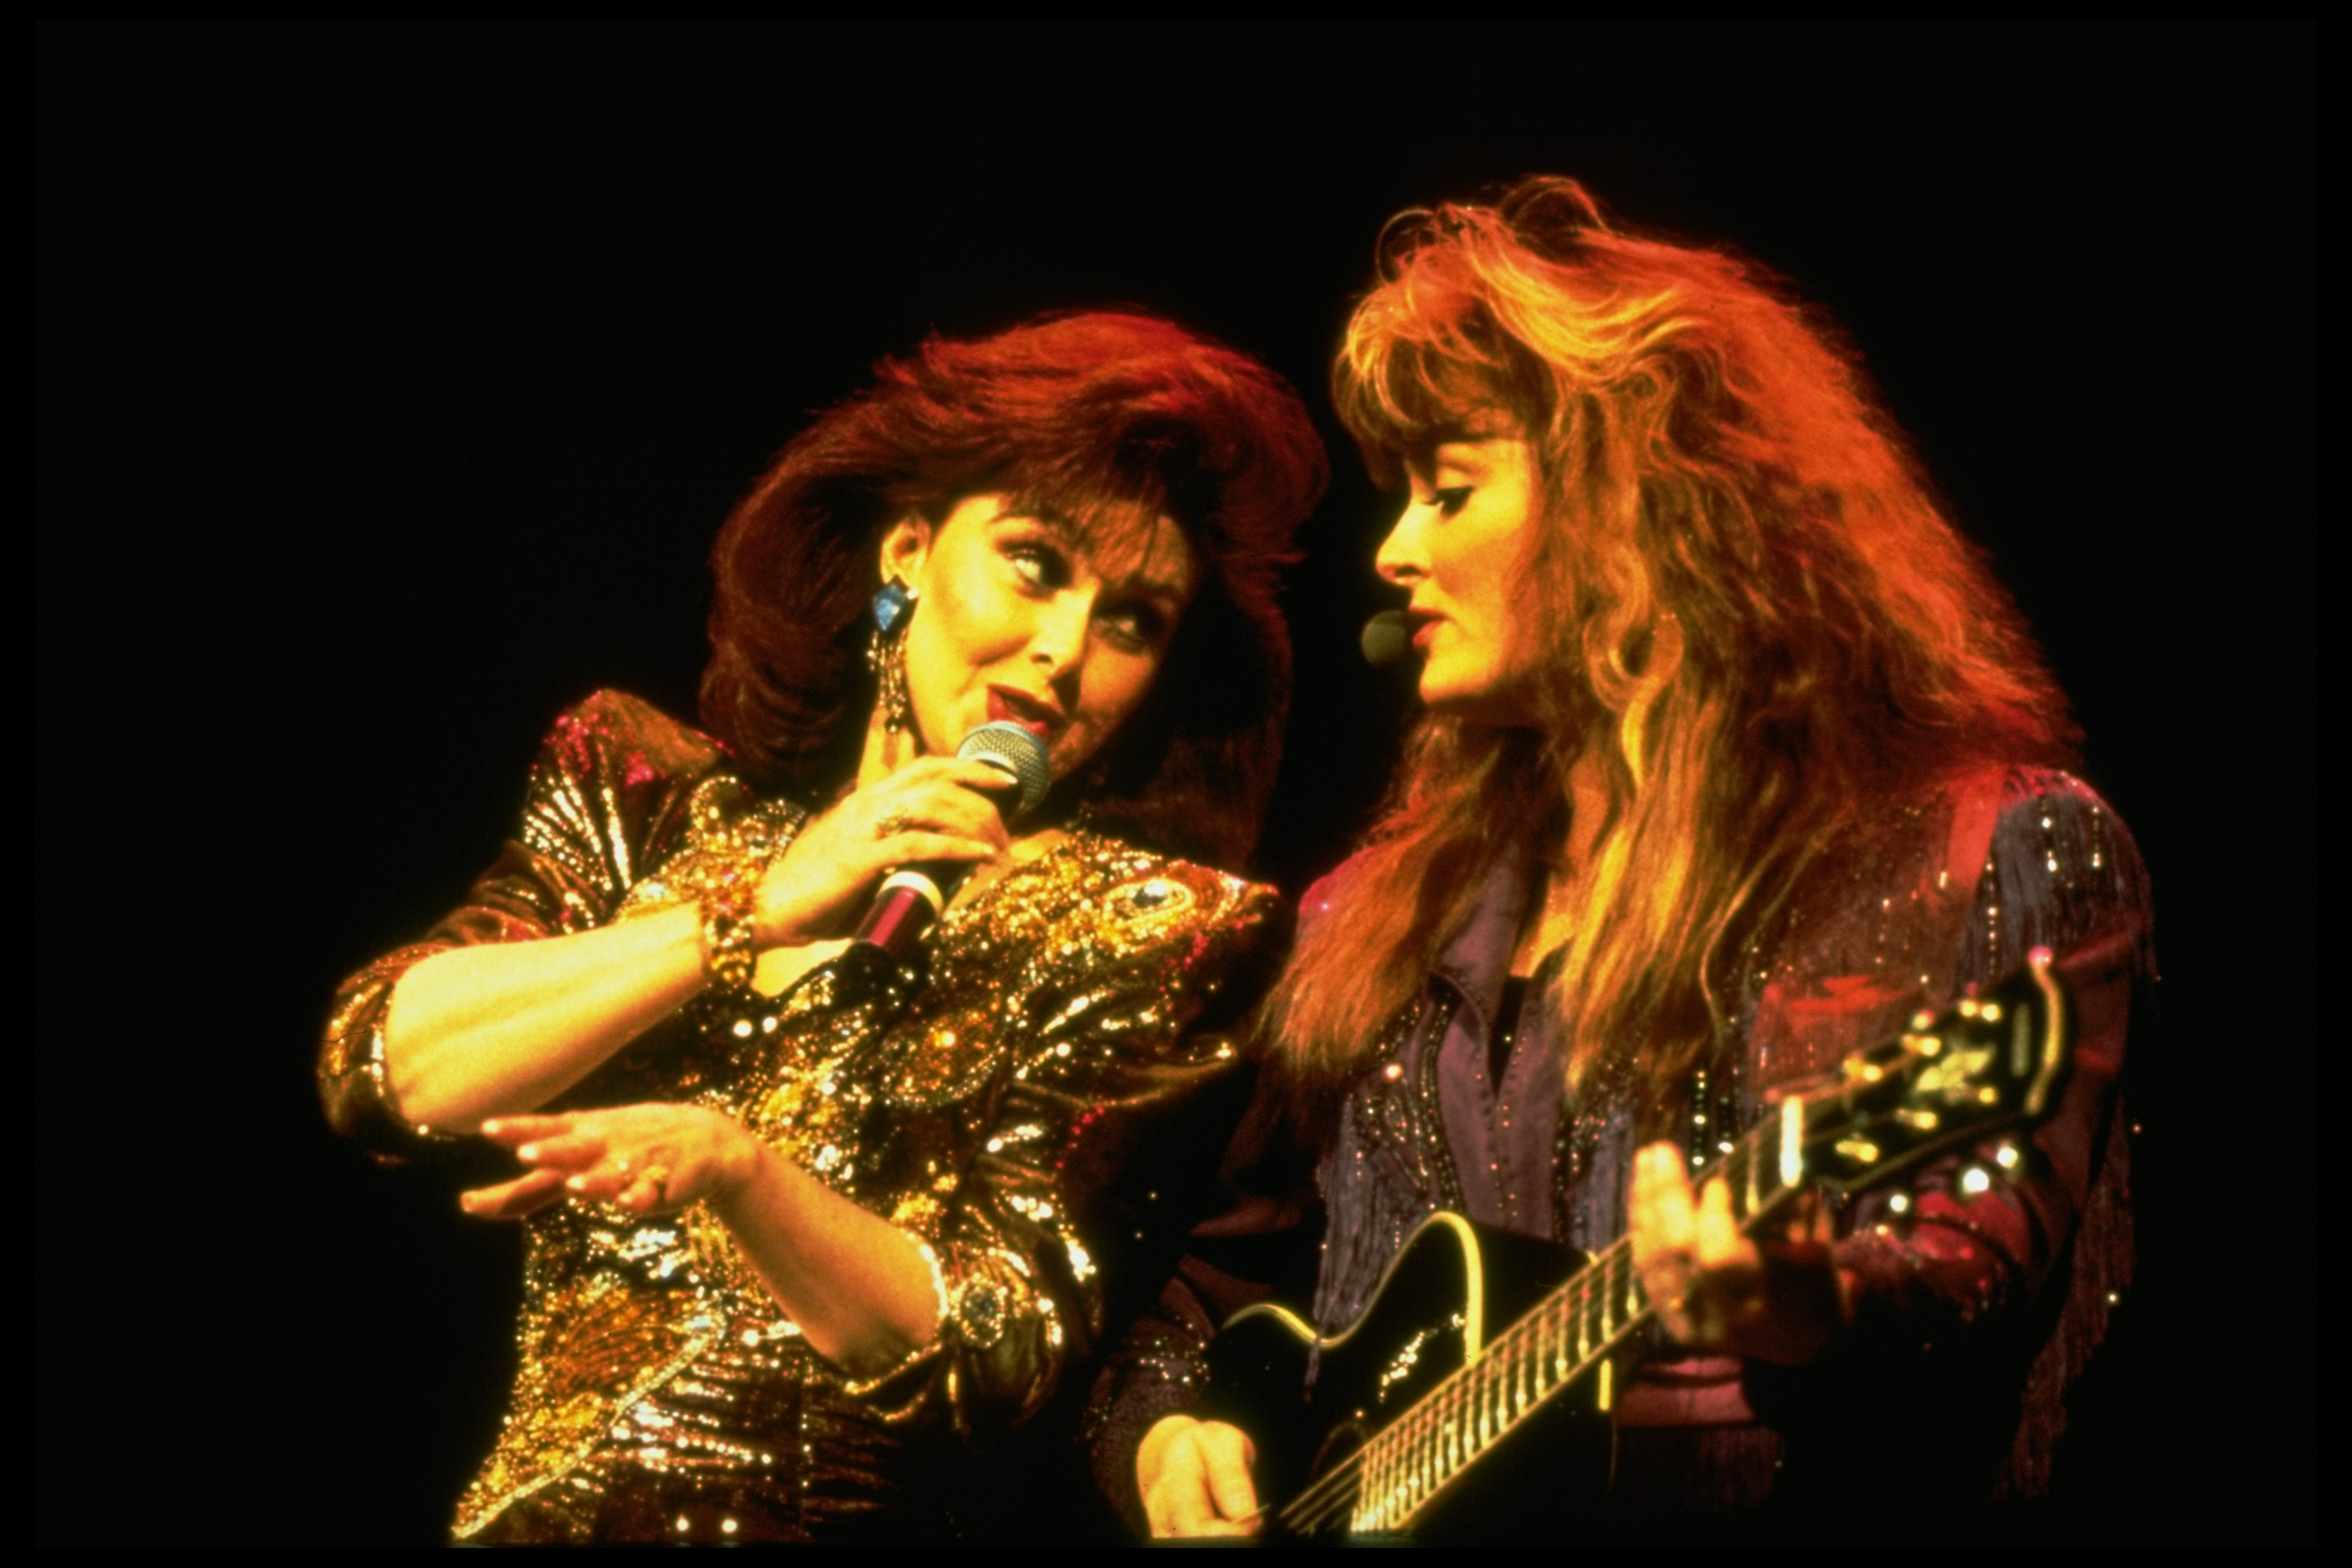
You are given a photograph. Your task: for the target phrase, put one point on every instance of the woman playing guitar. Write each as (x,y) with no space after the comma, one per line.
(1733,755)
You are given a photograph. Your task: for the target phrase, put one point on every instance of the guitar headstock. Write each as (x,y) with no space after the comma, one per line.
(1988,1063)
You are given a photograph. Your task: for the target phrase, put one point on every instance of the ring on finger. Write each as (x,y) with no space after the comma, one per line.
(658,1177)
(897,822)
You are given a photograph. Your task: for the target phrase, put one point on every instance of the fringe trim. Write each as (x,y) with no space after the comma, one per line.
(2101,1271)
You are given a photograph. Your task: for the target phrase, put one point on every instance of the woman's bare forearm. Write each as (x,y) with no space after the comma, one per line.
(506,1027)
(858,1285)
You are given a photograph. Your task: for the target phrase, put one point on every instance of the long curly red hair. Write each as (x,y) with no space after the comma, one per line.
(1103,420)
(1740,591)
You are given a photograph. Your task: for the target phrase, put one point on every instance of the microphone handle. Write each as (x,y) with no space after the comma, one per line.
(908,900)
(911,898)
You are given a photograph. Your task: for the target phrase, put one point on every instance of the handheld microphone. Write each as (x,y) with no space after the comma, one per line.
(911,897)
(1387,639)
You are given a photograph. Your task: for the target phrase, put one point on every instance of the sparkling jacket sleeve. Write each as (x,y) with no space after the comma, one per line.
(1080,1173)
(606,794)
(1957,1295)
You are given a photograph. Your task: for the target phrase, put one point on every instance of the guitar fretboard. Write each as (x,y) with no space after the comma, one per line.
(1573,1331)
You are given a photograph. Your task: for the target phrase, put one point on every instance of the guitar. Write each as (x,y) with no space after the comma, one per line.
(1428,1382)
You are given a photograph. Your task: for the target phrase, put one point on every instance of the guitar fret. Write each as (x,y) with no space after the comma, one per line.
(1447,1432)
(1424,1476)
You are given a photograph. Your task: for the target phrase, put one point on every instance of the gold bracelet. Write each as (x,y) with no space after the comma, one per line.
(727,892)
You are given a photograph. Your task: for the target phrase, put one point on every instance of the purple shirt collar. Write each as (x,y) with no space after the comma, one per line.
(1478,960)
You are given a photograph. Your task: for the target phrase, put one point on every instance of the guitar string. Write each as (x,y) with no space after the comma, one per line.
(1490,1389)
(1481,1392)
(1340,1489)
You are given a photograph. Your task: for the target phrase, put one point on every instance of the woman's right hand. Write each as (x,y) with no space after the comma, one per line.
(1195,1480)
(934,808)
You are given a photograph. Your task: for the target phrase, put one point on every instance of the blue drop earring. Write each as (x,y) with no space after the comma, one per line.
(892,604)
(886,652)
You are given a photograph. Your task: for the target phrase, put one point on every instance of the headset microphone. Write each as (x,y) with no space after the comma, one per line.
(1387,639)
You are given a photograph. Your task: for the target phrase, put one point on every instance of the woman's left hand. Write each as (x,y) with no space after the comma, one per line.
(1715,1289)
(647,1159)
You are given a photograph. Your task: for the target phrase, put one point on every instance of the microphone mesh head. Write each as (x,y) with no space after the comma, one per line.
(1006,745)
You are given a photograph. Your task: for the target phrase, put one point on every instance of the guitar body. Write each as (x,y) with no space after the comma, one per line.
(1448,1292)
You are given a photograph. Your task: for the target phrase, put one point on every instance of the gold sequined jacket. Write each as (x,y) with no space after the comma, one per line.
(1024,1113)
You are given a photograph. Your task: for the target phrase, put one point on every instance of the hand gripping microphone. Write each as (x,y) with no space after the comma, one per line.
(911,897)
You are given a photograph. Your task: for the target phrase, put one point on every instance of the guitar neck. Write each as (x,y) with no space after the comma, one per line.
(1571,1331)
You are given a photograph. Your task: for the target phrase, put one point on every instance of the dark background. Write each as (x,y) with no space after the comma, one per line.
(391,384)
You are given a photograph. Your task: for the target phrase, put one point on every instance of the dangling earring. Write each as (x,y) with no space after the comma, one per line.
(886,656)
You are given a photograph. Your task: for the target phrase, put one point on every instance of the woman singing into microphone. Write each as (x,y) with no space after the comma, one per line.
(790,1238)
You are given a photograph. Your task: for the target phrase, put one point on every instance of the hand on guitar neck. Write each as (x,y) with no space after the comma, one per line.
(1718,1291)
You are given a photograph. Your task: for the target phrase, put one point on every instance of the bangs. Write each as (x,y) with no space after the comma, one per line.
(1106,527)
(1426,365)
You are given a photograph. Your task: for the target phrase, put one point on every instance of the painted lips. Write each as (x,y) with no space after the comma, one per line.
(1013,707)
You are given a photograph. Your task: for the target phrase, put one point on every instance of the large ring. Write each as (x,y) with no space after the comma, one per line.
(659,1176)
(897,822)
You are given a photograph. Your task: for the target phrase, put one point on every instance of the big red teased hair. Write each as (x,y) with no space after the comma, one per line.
(1103,421)
(1738,591)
